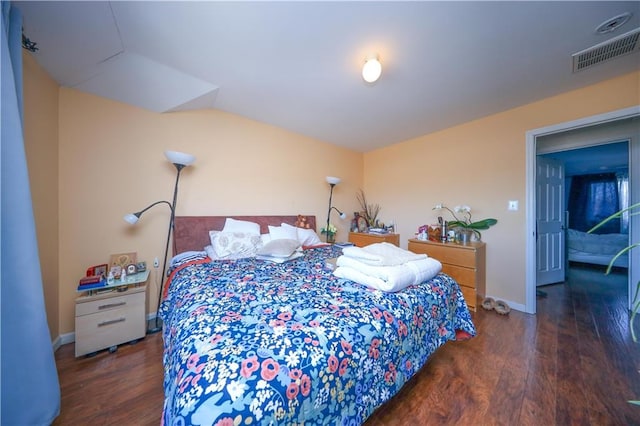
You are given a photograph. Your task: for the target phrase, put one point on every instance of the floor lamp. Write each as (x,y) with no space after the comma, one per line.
(332,181)
(180,160)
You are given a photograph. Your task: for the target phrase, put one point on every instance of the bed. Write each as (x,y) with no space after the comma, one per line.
(253,342)
(598,249)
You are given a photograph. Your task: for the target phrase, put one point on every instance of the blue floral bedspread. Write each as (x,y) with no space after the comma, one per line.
(254,342)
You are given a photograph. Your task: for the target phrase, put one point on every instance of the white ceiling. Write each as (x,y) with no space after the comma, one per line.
(297,65)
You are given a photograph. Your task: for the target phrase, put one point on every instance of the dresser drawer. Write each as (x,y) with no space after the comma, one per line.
(469,296)
(464,276)
(447,253)
(361,239)
(464,263)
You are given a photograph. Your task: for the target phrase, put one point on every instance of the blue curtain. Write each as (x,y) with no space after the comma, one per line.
(30,390)
(592,199)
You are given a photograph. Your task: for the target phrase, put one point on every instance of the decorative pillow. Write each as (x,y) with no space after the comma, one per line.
(212,237)
(233,225)
(185,257)
(306,237)
(282,232)
(265,238)
(282,247)
(236,244)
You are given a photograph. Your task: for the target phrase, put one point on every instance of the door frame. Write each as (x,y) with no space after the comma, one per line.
(530,194)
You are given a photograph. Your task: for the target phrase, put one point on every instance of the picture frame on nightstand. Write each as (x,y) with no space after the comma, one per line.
(98,270)
(122,260)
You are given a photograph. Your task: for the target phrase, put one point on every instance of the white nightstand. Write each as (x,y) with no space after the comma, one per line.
(111,315)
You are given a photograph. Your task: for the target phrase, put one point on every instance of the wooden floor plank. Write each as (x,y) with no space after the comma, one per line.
(572,363)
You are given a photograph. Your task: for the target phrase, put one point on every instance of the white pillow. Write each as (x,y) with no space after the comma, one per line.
(282,247)
(233,225)
(236,244)
(306,237)
(281,232)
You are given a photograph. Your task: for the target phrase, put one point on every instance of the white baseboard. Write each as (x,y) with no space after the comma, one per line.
(63,340)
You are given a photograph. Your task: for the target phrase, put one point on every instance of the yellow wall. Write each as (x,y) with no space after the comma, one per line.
(41,147)
(482,164)
(92,160)
(112,163)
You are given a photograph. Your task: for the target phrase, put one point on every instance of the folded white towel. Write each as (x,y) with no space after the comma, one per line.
(381,254)
(359,277)
(387,278)
(424,270)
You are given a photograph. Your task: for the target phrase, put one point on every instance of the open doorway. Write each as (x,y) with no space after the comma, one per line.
(592,184)
(618,125)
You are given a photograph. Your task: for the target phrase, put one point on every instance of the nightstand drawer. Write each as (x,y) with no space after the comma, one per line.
(464,276)
(93,306)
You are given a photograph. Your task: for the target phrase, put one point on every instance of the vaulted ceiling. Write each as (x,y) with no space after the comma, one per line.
(297,65)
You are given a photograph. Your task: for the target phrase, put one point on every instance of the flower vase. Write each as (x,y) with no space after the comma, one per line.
(331,238)
(464,235)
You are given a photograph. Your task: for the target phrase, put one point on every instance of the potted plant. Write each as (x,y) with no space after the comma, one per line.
(369,211)
(330,232)
(463,223)
(635,304)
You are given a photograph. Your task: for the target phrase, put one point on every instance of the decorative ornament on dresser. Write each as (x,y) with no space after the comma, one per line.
(463,224)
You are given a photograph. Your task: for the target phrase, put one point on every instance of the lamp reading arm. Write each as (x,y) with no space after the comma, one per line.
(132,218)
(342,215)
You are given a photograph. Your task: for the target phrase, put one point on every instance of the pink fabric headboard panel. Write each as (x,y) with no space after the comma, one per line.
(192,232)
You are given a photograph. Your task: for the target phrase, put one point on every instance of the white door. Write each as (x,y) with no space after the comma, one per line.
(550,249)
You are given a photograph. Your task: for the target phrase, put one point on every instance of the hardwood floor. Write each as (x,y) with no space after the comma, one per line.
(572,363)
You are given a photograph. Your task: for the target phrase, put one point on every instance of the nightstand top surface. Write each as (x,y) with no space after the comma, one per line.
(132,279)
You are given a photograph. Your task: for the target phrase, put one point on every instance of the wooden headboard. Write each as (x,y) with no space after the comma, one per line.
(192,232)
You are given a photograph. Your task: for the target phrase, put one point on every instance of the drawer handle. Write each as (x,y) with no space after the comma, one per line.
(111,305)
(115,321)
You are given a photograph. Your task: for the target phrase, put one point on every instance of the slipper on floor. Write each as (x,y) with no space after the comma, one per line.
(502,307)
(488,303)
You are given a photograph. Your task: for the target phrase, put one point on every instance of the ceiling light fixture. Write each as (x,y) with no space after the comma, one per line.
(614,23)
(372,69)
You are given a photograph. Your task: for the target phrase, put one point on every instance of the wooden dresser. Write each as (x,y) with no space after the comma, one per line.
(464,263)
(361,239)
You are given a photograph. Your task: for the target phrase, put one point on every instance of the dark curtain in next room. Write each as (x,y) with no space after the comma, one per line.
(593,198)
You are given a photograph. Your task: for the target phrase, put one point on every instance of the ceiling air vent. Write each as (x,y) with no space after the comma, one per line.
(610,49)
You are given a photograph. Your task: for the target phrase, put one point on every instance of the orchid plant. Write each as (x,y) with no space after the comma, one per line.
(462,219)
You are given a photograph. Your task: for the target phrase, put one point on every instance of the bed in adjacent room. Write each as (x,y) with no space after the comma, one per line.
(250,341)
(597,249)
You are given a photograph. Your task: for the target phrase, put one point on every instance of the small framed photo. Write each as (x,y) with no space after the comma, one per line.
(101,270)
(116,271)
(132,268)
(97,270)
